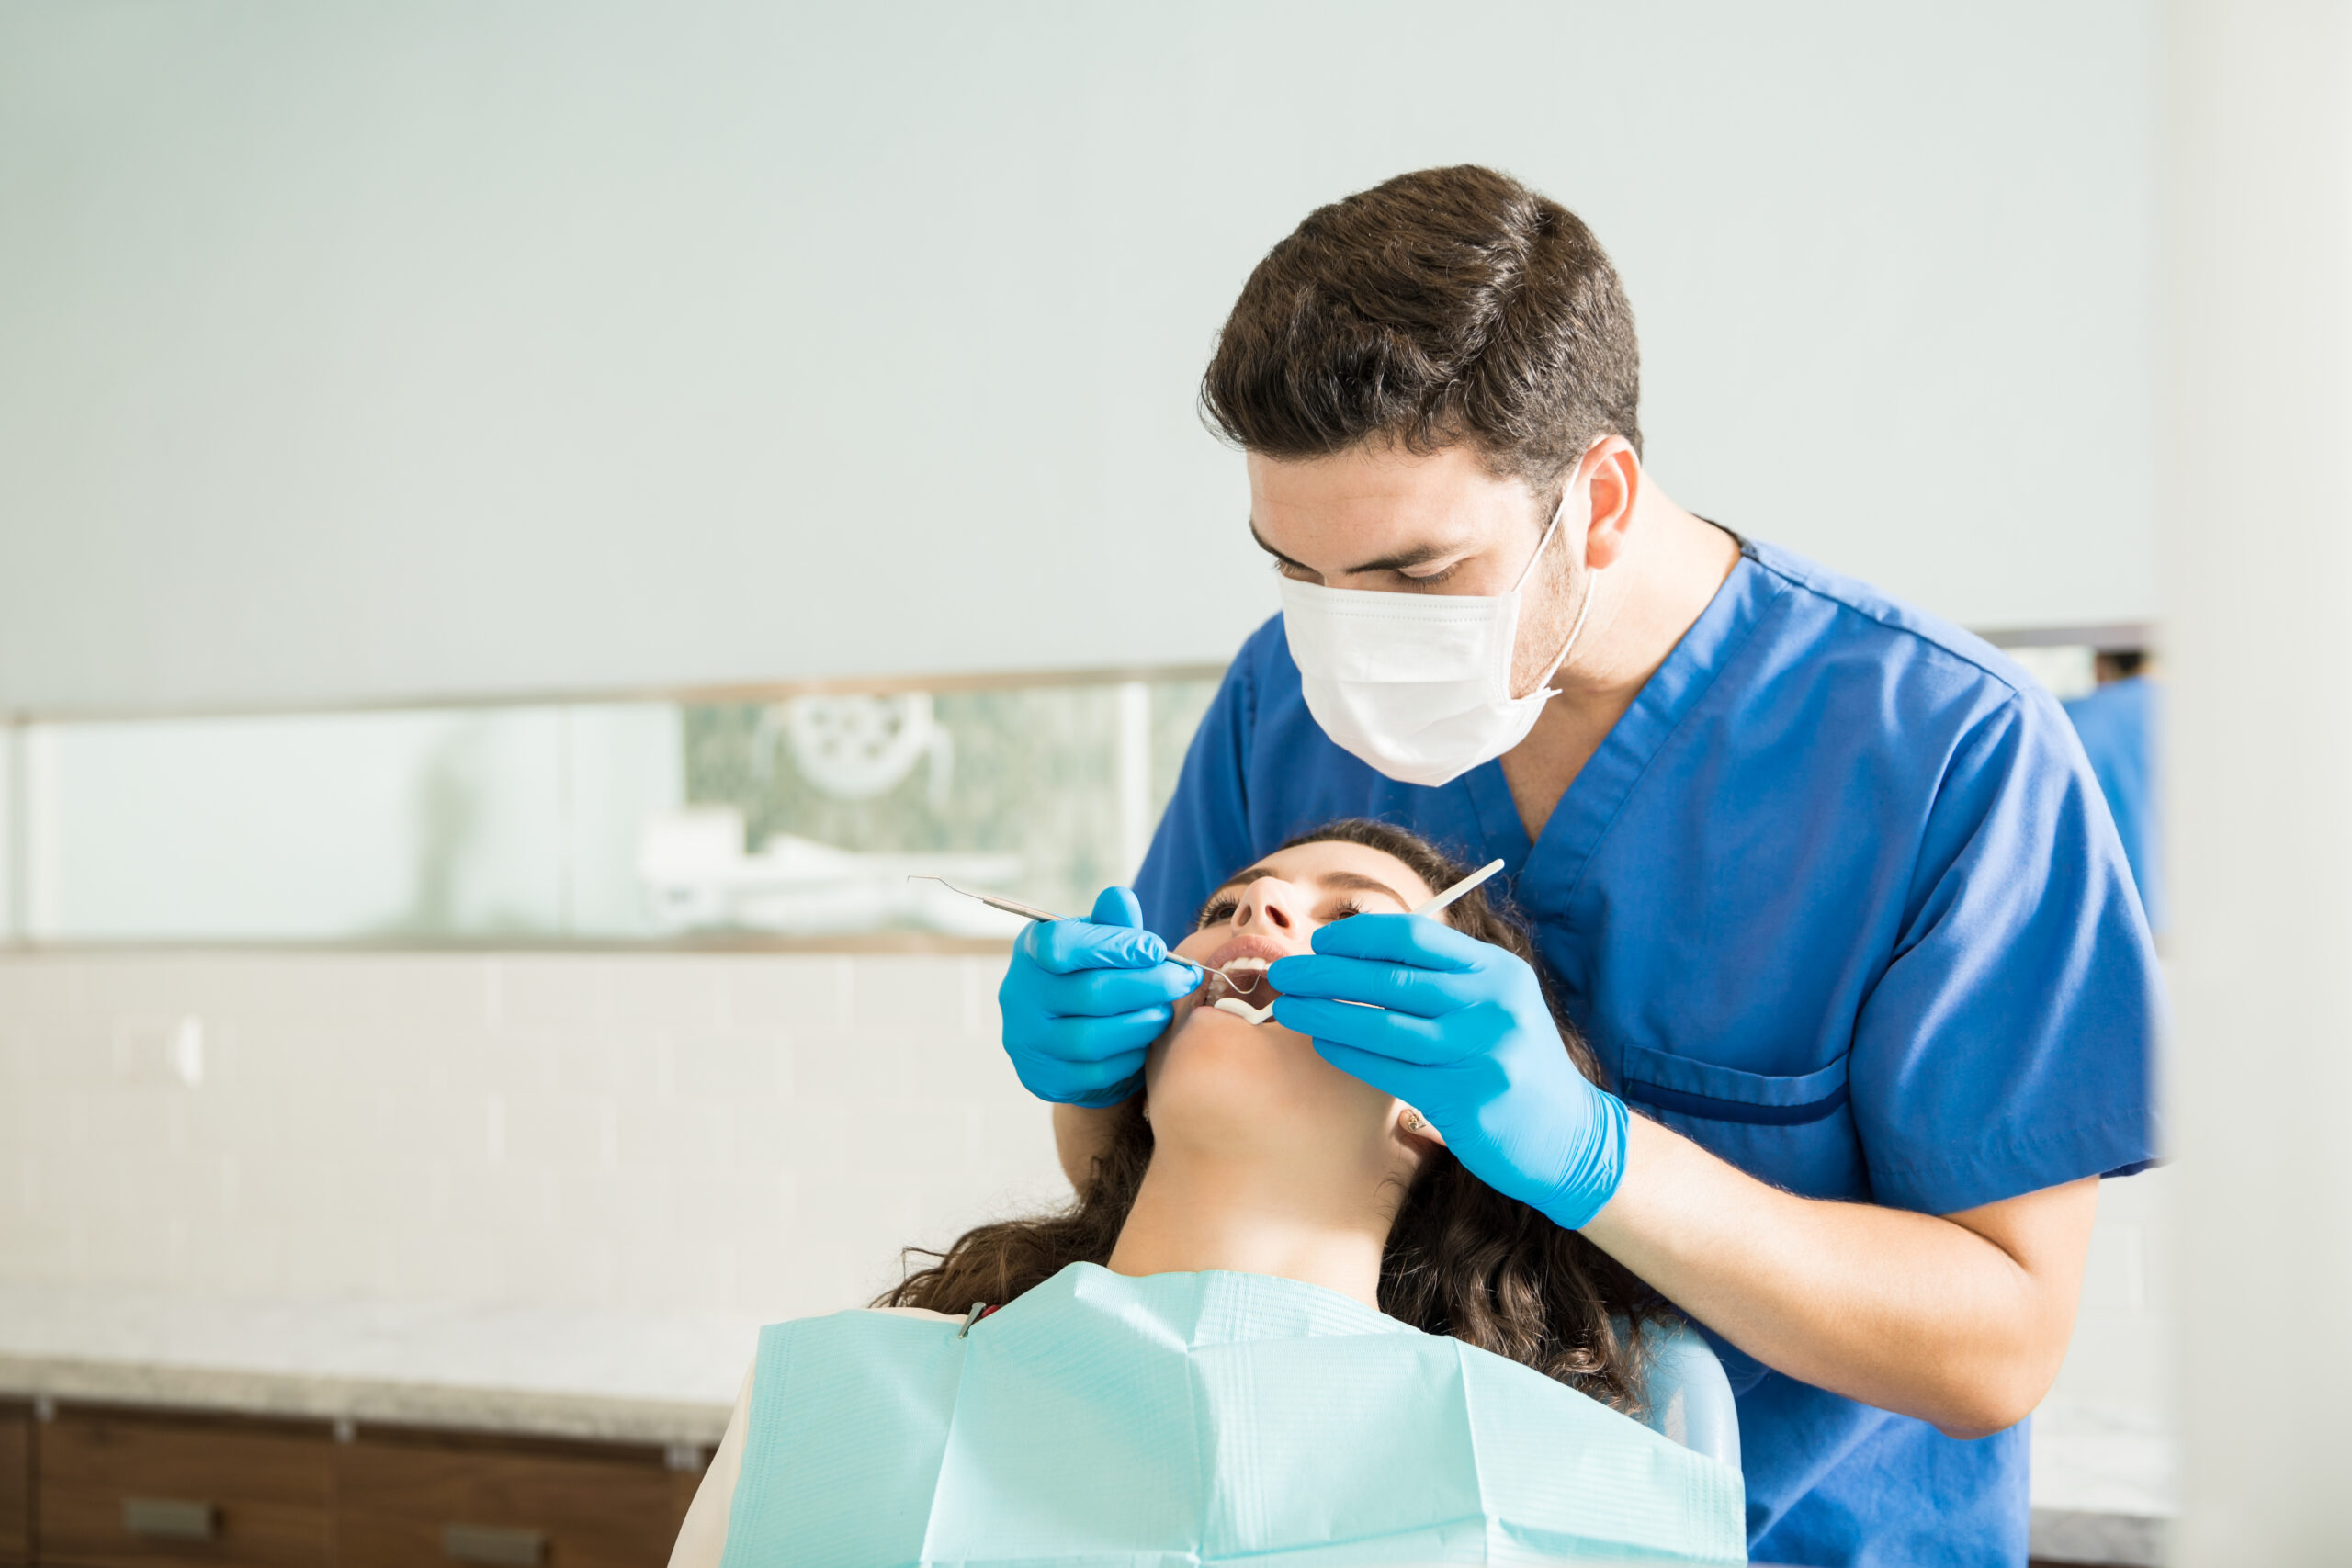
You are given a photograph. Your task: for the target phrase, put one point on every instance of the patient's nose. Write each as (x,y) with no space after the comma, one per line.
(1268,904)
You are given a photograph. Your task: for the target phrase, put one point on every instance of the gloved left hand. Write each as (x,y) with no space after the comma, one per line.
(1459,1030)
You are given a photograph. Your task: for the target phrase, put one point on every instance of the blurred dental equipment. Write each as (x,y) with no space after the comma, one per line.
(699,875)
(1244,1012)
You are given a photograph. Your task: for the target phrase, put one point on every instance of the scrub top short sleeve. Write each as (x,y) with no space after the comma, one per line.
(1838,899)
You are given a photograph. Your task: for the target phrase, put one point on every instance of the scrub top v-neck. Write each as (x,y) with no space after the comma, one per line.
(1838,899)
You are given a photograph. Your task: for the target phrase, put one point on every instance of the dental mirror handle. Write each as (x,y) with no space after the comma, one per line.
(1459,888)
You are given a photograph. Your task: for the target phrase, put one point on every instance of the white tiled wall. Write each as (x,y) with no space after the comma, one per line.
(753,1134)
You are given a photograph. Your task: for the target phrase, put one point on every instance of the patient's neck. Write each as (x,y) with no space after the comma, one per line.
(1324,1223)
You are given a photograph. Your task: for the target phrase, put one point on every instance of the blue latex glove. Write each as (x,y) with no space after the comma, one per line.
(1457,1028)
(1083,1001)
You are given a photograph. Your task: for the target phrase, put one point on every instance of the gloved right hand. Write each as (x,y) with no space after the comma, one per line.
(1084,999)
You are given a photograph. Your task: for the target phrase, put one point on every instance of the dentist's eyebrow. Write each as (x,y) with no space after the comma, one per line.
(1418,555)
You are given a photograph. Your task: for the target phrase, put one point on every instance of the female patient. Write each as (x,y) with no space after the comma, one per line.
(1280,1323)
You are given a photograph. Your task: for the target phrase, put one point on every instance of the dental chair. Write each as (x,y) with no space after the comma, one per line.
(1690,1398)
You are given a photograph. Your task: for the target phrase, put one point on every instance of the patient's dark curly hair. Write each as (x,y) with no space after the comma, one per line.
(1461,1259)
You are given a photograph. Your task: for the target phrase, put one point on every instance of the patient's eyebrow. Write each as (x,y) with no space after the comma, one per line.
(1334,881)
(1356,882)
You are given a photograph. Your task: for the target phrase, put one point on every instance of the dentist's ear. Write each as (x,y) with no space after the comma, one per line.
(1614,474)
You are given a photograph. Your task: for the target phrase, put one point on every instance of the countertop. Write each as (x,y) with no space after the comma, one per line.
(2103,1481)
(616,1377)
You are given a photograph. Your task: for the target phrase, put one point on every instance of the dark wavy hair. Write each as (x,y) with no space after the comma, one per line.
(1442,306)
(1461,1259)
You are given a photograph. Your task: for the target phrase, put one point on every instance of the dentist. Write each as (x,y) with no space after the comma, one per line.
(1826,881)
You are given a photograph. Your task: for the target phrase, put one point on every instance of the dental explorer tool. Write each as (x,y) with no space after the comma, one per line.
(1244,1012)
(1009,906)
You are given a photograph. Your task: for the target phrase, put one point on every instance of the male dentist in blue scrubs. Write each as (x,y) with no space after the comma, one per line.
(1826,881)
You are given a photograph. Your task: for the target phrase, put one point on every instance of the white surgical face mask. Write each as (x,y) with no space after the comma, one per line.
(1418,686)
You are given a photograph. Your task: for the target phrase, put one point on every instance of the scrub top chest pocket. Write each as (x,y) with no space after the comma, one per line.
(1794,1130)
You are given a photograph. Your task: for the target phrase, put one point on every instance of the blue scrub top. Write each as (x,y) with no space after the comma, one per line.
(2117,726)
(1837,897)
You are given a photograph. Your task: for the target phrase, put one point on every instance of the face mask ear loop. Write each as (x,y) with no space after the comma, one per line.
(1545,542)
(1583,609)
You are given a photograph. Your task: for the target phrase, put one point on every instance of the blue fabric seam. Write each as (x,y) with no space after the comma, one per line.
(1782,567)
(1749,1112)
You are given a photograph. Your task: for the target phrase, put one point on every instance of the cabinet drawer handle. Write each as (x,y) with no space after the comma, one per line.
(494,1547)
(170,1519)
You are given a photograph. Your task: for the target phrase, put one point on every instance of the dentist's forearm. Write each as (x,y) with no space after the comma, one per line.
(1959,1321)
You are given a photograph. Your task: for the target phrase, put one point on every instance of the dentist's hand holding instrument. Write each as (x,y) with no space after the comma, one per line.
(1084,999)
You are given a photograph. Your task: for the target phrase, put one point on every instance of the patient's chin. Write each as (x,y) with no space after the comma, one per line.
(1212,1069)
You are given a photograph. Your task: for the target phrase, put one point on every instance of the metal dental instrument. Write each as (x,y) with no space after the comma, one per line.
(1459,888)
(1009,906)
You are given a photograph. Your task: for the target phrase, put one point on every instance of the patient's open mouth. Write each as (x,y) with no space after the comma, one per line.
(1235,978)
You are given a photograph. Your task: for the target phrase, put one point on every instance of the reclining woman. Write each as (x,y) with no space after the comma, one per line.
(1280,1323)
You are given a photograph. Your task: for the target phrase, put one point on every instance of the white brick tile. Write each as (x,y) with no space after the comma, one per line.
(387,1189)
(735,1208)
(425,1125)
(138,1248)
(633,1203)
(784,991)
(908,993)
(556,1129)
(742,1066)
(609,1064)
(64,1054)
(562,991)
(36,1246)
(513,1061)
(436,991)
(340,1259)
(551,1267)
(237,1255)
(981,1014)
(673,1275)
(36,988)
(866,1064)
(502,1194)
(667,994)
(451,1262)
(680,1134)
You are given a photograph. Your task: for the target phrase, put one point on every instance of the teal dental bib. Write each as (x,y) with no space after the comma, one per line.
(1184,1420)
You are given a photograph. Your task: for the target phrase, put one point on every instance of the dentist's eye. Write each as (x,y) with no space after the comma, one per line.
(1431,580)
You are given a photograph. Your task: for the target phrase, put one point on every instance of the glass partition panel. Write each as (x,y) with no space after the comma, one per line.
(805,816)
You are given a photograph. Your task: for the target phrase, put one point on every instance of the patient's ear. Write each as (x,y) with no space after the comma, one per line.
(1414,1129)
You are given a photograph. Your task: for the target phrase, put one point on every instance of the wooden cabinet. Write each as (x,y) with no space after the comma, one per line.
(408,1501)
(146,1490)
(108,1488)
(15,1484)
